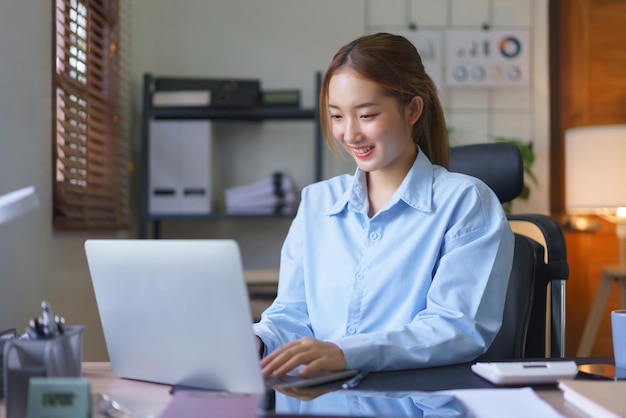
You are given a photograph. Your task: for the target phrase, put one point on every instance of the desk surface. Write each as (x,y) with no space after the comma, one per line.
(149,399)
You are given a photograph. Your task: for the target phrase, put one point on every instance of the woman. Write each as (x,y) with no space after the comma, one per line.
(403,264)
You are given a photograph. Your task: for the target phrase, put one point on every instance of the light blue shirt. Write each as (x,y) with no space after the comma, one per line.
(421,283)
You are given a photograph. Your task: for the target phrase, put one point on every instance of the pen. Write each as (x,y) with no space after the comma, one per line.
(354,381)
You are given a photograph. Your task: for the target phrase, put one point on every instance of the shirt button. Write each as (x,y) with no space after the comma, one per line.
(359,276)
(351,330)
(373,235)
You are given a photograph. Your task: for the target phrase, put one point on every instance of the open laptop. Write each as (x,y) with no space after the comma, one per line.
(176,312)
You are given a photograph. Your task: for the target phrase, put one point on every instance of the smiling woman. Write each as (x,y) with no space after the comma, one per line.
(387,268)
(91,137)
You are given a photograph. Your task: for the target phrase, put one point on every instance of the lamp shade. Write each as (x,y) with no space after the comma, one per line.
(595,168)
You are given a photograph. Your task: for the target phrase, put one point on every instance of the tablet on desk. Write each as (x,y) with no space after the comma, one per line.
(292,380)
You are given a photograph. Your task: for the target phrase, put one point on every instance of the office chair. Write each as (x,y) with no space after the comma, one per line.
(540,259)
(553,271)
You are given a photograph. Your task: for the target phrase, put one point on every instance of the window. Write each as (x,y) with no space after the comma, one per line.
(91,146)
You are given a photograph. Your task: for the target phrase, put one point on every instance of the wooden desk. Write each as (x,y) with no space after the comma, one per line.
(142,398)
(149,399)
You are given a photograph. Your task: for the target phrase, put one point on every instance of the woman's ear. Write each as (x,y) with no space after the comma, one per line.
(414,109)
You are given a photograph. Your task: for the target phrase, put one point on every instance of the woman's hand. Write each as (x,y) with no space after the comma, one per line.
(314,354)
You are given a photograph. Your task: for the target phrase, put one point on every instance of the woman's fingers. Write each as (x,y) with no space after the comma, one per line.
(315,355)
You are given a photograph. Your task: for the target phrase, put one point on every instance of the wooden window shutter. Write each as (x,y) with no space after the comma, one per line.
(91,140)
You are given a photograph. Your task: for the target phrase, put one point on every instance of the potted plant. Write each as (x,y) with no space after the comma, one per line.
(528,158)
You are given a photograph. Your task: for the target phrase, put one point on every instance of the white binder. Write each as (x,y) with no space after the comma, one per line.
(180,167)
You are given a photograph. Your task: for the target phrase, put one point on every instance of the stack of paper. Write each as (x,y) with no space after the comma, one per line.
(597,398)
(275,194)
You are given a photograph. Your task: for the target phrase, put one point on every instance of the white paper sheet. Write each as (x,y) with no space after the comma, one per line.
(510,403)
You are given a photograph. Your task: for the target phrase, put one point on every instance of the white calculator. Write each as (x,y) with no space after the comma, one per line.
(525,372)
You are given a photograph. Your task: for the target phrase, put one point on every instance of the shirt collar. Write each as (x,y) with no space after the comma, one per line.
(416,189)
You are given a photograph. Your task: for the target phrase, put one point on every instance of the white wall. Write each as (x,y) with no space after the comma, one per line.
(282,42)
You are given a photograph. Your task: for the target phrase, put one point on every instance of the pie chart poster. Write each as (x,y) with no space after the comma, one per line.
(488,58)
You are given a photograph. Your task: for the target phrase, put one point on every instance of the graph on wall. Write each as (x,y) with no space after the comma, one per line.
(487,58)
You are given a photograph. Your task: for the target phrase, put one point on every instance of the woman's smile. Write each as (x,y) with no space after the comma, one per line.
(362,152)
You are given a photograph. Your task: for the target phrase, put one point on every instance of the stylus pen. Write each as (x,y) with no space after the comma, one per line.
(354,381)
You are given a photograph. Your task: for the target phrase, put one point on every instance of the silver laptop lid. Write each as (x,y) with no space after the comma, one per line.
(176,312)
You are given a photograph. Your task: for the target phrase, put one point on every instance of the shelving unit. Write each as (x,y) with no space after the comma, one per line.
(251,114)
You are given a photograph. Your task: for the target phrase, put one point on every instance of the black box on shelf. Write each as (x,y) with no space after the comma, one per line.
(211,92)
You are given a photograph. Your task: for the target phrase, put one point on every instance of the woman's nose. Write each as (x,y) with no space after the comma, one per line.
(351,131)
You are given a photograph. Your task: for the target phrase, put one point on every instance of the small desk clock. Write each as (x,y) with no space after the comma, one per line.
(59,397)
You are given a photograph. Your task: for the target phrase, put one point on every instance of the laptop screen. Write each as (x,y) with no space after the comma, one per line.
(176,312)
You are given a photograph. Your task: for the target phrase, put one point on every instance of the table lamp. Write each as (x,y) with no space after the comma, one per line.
(17,203)
(595,175)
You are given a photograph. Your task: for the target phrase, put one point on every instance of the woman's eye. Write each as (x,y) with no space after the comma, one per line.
(368,116)
(337,117)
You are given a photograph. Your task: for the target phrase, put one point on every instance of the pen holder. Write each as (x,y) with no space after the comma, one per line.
(5,336)
(56,357)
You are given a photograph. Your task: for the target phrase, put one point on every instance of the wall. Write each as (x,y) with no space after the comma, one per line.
(283,42)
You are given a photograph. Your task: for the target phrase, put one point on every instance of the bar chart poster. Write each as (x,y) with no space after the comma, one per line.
(488,58)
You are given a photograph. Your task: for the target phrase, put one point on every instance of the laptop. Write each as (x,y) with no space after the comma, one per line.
(176,312)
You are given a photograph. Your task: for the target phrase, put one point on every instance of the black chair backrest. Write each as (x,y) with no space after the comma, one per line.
(536,263)
(553,270)
(511,341)
(498,164)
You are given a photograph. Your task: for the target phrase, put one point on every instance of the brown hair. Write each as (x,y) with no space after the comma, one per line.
(393,62)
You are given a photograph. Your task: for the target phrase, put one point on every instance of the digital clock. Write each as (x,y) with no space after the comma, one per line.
(59,396)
